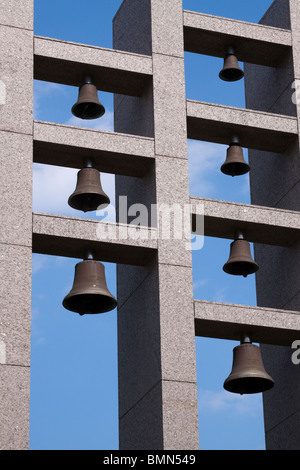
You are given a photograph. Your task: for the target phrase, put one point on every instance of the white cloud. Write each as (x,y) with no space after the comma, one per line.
(38,263)
(223,401)
(200,283)
(205,159)
(105,123)
(221,295)
(41,90)
(44,92)
(53,185)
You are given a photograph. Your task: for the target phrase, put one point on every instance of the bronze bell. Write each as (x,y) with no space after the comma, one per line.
(231,71)
(235,164)
(248,374)
(240,262)
(89,293)
(88,194)
(88,105)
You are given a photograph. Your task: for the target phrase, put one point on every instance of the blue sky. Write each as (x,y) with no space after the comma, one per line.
(74,393)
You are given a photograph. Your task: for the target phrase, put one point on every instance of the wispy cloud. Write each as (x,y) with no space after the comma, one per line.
(45,94)
(44,90)
(223,401)
(200,283)
(53,185)
(205,160)
(38,262)
(221,295)
(105,123)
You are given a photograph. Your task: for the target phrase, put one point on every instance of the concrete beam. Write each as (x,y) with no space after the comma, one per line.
(256,130)
(112,71)
(230,321)
(254,43)
(69,146)
(74,237)
(259,224)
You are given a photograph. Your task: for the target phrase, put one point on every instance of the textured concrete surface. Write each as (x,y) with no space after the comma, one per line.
(16,74)
(16,184)
(230,321)
(167,29)
(14,407)
(259,224)
(74,237)
(179,403)
(167,105)
(162,356)
(275,93)
(281,412)
(157,315)
(112,152)
(256,129)
(19,15)
(112,71)
(275,182)
(138,37)
(253,43)
(140,428)
(15,298)
(16,41)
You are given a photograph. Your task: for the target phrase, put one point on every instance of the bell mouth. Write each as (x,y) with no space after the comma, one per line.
(88,201)
(89,303)
(231,75)
(248,375)
(240,268)
(248,385)
(88,110)
(235,168)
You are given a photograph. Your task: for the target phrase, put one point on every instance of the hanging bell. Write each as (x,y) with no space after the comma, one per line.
(240,262)
(248,374)
(231,71)
(89,293)
(88,194)
(88,105)
(235,164)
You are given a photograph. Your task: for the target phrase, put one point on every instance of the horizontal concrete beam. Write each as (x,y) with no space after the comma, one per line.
(259,224)
(254,43)
(257,130)
(68,146)
(110,242)
(263,325)
(112,71)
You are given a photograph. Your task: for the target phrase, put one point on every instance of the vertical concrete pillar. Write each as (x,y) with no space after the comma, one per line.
(275,182)
(157,365)
(16,82)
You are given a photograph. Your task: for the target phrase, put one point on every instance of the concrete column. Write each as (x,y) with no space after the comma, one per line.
(157,365)
(275,182)
(16,82)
